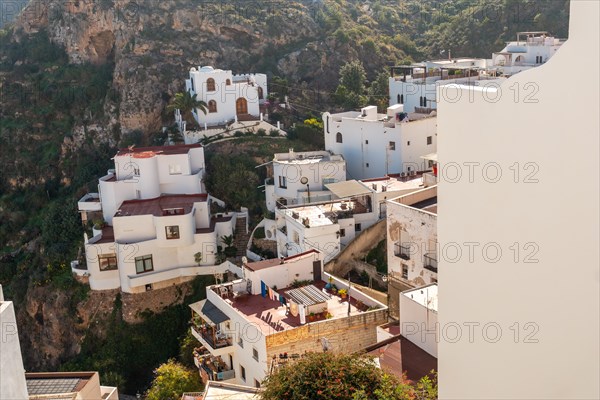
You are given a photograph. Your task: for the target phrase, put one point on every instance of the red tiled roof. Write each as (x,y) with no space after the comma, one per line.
(157,205)
(398,355)
(141,151)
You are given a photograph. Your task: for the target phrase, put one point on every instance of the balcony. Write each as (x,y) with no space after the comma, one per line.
(402,251)
(90,202)
(207,321)
(212,368)
(430,263)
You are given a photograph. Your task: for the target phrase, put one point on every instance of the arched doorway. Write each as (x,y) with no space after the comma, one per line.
(241,106)
(260,93)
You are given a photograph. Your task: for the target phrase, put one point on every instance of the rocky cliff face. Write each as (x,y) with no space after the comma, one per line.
(153,45)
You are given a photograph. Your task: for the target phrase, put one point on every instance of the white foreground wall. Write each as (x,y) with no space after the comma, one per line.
(544,297)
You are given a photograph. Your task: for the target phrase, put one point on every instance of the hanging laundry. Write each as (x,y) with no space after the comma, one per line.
(282,300)
(263,289)
(293,309)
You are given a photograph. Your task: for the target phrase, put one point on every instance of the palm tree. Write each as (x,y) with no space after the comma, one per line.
(186,103)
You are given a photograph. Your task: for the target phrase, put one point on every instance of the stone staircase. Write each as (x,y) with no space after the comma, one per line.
(241,237)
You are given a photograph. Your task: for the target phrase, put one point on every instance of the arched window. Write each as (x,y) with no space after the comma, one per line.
(398,99)
(210,85)
(338,138)
(241,106)
(212,106)
(401,99)
(260,93)
(192,84)
(228,82)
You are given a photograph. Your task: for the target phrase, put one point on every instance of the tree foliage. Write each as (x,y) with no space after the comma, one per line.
(186,103)
(171,380)
(327,376)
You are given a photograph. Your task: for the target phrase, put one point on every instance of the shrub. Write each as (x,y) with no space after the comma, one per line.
(261,132)
(274,132)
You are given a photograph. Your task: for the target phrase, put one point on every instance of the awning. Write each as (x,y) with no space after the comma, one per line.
(307,295)
(348,189)
(431,156)
(209,312)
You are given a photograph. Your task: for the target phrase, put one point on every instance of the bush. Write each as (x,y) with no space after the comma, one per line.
(261,132)
(274,132)
(259,233)
(238,134)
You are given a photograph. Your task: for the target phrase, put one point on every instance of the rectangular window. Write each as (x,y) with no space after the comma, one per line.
(282,182)
(136,171)
(367,165)
(429,140)
(342,232)
(392,145)
(256,384)
(172,232)
(243,373)
(255,354)
(357,227)
(405,271)
(107,262)
(366,142)
(408,143)
(175,169)
(144,264)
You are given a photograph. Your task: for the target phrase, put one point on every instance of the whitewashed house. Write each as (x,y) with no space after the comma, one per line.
(412,245)
(300,177)
(229,97)
(416,86)
(419,317)
(376,145)
(157,219)
(275,313)
(331,225)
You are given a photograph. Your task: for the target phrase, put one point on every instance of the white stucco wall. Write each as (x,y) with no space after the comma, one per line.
(12,372)
(418,323)
(367,142)
(549,209)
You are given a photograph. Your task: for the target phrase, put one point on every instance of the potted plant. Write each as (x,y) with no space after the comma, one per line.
(343,293)
(334,289)
(329,286)
(311,317)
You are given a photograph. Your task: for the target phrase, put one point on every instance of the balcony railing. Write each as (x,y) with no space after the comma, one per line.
(430,263)
(216,341)
(402,251)
(214,367)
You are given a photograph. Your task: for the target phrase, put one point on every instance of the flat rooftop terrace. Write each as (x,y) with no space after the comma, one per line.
(270,316)
(159,206)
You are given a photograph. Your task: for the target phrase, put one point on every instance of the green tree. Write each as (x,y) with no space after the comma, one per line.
(353,77)
(341,376)
(379,91)
(171,380)
(186,103)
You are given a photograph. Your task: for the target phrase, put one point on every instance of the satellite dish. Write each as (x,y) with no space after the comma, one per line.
(304,180)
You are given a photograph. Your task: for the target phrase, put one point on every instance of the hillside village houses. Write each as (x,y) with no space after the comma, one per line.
(157,220)
(377,145)
(15,383)
(416,86)
(228,97)
(300,177)
(278,310)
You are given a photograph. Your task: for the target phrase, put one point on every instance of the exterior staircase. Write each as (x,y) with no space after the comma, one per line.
(241,237)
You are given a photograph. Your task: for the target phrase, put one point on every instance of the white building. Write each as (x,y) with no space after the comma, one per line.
(278,311)
(228,97)
(412,246)
(542,292)
(329,226)
(376,145)
(416,86)
(18,385)
(215,390)
(300,177)
(158,219)
(419,317)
